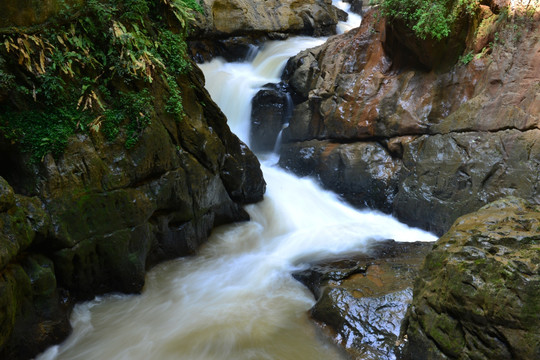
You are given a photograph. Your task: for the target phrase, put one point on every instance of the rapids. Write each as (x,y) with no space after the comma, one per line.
(237,299)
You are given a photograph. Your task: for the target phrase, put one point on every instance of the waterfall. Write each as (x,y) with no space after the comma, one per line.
(237,299)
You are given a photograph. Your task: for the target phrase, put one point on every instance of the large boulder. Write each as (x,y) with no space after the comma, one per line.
(362,299)
(272,109)
(461,137)
(364,173)
(229,27)
(477,295)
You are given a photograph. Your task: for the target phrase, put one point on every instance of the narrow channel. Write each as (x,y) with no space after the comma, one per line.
(237,299)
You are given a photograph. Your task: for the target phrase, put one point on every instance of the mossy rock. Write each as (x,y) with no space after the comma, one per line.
(7,196)
(31,308)
(32,12)
(478,293)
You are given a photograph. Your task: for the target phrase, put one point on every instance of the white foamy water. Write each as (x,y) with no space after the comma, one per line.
(233,85)
(353,20)
(237,299)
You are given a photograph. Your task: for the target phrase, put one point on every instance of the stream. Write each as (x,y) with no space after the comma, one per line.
(237,299)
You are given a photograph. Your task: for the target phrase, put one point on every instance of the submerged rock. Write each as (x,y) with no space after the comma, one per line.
(477,295)
(362,299)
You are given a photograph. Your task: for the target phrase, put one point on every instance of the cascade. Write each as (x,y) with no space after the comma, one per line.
(237,299)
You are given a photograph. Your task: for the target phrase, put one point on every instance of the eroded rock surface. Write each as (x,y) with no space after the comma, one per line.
(362,299)
(449,141)
(477,295)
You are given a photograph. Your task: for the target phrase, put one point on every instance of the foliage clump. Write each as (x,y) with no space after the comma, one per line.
(429,18)
(85,69)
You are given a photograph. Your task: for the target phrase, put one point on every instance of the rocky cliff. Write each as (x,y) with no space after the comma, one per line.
(375,124)
(94,218)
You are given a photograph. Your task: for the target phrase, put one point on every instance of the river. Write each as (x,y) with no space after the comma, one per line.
(237,299)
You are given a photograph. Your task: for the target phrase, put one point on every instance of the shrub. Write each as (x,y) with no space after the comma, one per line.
(429,19)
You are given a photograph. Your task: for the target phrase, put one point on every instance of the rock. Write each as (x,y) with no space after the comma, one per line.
(7,197)
(460,172)
(231,24)
(461,137)
(33,312)
(23,224)
(272,109)
(356,6)
(478,292)
(362,299)
(32,12)
(364,174)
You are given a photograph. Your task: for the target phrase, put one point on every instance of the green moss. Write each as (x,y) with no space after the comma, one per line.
(433,19)
(91,72)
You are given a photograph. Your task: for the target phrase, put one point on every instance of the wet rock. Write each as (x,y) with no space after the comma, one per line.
(272,109)
(461,137)
(365,174)
(362,299)
(356,6)
(33,311)
(460,172)
(237,22)
(477,294)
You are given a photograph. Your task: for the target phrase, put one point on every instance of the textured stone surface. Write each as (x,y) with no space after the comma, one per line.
(477,295)
(100,215)
(31,12)
(364,173)
(453,140)
(272,110)
(362,299)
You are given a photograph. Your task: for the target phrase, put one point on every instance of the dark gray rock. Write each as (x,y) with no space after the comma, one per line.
(271,110)
(362,299)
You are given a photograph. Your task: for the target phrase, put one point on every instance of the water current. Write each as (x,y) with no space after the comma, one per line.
(236,299)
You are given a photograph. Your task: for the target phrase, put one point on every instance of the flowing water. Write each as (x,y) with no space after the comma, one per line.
(237,299)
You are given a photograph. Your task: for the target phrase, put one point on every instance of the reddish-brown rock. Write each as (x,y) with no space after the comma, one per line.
(477,121)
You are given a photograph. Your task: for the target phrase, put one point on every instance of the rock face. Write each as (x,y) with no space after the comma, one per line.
(229,27)
(362,299)
(100,215)
(429,146)
(95,218)
(32,12)
(478,293)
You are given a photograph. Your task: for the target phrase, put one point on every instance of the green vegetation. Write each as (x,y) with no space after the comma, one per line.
(90,69)
(467,58)
(429,19)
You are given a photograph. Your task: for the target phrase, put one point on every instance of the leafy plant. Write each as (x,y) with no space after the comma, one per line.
(84,72)
(467,58)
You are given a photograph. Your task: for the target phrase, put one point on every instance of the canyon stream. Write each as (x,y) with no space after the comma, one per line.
(236,299)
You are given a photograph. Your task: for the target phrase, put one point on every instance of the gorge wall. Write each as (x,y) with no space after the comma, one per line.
(95,218)
(379,126)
